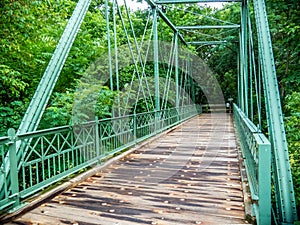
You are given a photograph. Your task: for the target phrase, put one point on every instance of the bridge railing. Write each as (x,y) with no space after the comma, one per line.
(256,151)
(53,154)
(7,197)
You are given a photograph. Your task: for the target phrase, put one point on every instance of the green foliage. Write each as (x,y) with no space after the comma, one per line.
(26,45)
(11,85)
(221,59)
(30,31)
(92,100)
(10,115)
(11,105)
(292,124)
(284,23)
(59,111)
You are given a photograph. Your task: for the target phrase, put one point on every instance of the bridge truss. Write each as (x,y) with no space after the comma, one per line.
(32,159)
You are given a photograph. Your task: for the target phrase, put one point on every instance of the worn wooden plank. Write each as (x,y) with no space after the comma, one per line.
(188,176)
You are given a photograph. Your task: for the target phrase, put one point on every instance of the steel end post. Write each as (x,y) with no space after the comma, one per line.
(13,160)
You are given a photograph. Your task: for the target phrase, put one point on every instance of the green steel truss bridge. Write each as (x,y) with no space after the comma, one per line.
(31,160)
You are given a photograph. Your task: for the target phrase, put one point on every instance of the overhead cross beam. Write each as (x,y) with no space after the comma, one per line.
(166,19)
(207,42)
(192,1)
(208,27)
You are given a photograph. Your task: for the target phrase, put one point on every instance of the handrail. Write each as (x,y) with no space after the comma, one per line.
(55,153)
(256,151)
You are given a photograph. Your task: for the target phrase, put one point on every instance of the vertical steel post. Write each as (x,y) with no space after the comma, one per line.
(251,67)
(102,151)
(97,138)
(13,161)
(259,92)
(176,71)
(135,127)
(156,67)
(116,54)
(108,45)
(287,204)
(191,81)
(264,181)
(241,75)
(244,47)
(116,46)
(193,92)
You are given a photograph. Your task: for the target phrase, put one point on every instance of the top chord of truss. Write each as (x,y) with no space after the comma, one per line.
(192,1)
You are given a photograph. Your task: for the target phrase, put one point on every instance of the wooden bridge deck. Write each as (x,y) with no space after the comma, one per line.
(188,176)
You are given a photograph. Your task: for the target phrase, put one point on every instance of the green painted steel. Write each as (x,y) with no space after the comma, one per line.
(109,45)
(52,154)
(192,1)
(155,60)
(13,162)
(39,101)
(176,70)
(156,67)
(244,56)
(42,95)
(6,200)
(256,150)
(284,184)
(116,46)
(238,68)
(241,93)
(166,19)
(208,27)
(207,42)
(59,152)
(252,68)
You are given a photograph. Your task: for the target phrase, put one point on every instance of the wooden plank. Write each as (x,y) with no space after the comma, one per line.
(188,176)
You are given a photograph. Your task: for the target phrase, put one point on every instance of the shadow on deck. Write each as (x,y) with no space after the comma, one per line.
(190,175)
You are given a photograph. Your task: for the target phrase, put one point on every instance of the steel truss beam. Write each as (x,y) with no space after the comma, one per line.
(155,59)
(208,27)
(282,172)
(244,57)
(166,19)
(207,42)
(42,95)
(192,1)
